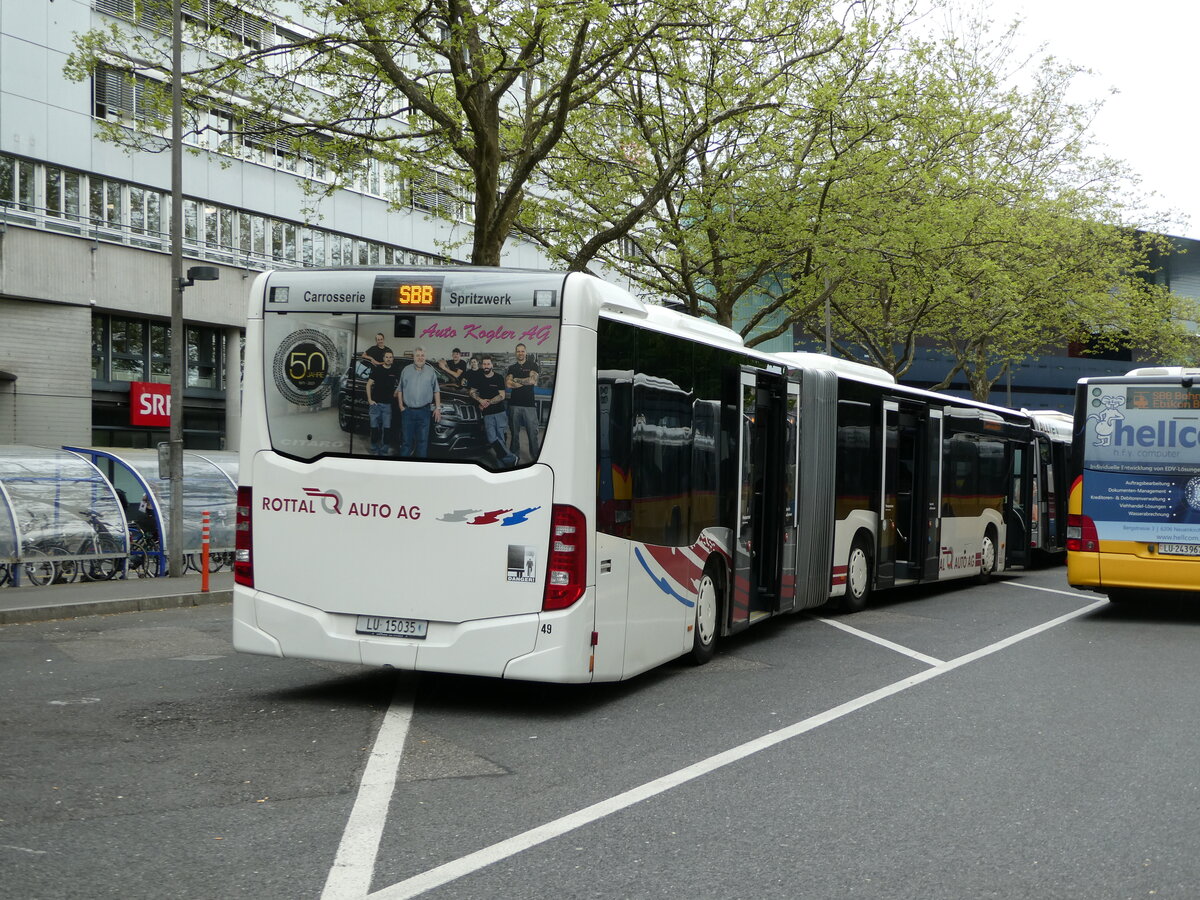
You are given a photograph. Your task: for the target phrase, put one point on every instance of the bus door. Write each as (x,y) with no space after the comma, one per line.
(909,530)
(791,490)
(1019,506)
(758,525)
(930,492)
(1055,487)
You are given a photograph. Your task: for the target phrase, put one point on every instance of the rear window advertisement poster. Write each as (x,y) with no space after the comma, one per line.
(348,385)
(1143,469)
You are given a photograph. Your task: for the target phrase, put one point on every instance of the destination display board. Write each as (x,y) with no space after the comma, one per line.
(1162,397)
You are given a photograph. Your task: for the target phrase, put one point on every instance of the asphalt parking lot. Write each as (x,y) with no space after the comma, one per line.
(1015,739)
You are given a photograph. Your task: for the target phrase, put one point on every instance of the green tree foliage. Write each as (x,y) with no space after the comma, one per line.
(981,226)
(690,145)
(478,92)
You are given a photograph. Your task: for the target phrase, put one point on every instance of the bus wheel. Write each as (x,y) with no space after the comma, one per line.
(708,614)
(858,577)
(988,556)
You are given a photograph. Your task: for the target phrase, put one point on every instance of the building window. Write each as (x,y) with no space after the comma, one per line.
(62,193)
(17,186)
(220,130)
(100,348)
(106,203)
(203,355)
(122,94)
(160,352)
(127,349)
(56,198)
(436,193)
(258,227)
(191,221)
(155,14)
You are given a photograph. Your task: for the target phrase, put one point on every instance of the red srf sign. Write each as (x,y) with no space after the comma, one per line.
(149,404)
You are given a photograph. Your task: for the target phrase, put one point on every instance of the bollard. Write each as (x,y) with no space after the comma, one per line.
(204,552)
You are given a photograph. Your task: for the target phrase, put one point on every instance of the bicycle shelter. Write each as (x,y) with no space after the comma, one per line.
(59,516)
(209,485)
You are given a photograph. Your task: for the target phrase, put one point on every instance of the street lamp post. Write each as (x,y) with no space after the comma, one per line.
(178,283)
(178,363)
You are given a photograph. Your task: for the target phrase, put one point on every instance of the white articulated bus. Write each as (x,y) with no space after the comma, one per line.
(535,475)
(916,486)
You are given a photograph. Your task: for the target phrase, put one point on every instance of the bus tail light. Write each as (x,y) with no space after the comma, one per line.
(1081,534)
(566,573)
(243,562)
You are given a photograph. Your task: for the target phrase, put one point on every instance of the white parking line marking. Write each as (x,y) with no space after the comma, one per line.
(473,862)
(1082,595)
(354,865)
(882,642)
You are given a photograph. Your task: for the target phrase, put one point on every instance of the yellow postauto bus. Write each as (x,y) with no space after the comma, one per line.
(1133,524)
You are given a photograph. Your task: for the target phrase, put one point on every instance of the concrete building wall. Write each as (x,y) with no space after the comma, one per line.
(69,269)
(50,402)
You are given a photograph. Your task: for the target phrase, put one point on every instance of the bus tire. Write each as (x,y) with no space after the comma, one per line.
(987,556)
(860,574)
(710,598)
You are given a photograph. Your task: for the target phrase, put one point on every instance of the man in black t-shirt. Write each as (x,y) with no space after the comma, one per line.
(373,356)
(520,379)
(455,367)
(487,389)
(381,388)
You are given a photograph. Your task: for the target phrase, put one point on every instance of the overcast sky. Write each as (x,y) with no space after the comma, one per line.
(1150,52)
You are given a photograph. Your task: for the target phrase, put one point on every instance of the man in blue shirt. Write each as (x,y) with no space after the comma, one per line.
(420,398)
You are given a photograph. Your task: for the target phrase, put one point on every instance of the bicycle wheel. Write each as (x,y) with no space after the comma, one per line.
(104,568)
(5,574)
(67,569)
(139,559)
(39,568)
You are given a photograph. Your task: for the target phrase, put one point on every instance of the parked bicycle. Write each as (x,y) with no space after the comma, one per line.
(217,560)
(42,552)
(107,551)
(144,552)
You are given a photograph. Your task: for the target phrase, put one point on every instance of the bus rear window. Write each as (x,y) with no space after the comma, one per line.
(414,385)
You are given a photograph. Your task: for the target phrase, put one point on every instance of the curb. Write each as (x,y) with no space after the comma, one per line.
(45,613)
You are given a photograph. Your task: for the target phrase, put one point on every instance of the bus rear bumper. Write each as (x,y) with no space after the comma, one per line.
(524,646)
(1143,570)
(1083,569)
